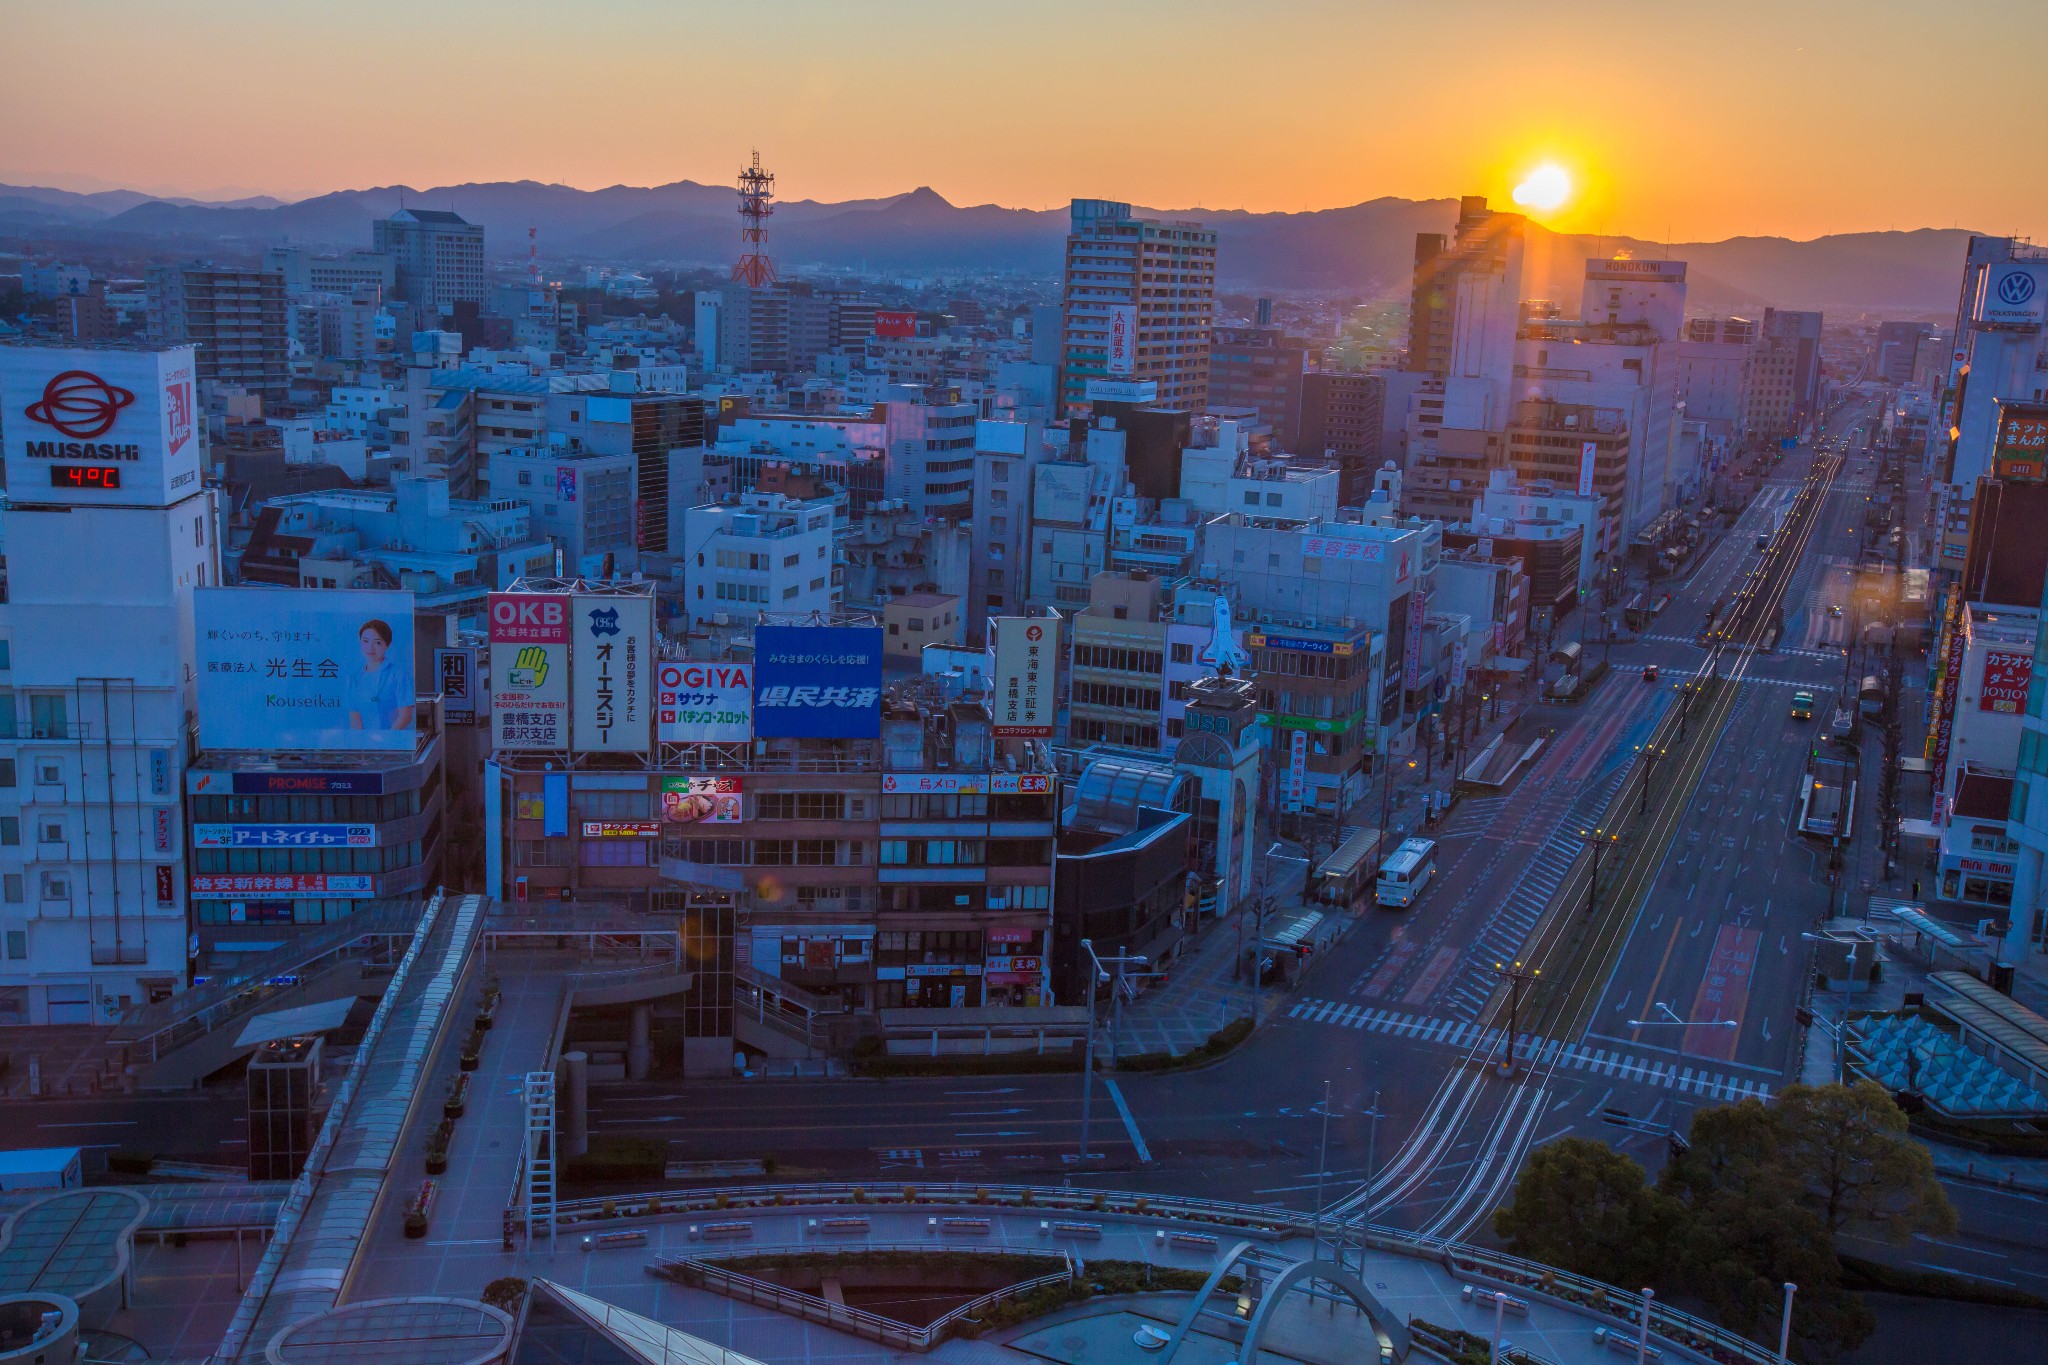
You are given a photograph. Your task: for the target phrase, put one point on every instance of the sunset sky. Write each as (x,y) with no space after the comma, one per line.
(1675,119)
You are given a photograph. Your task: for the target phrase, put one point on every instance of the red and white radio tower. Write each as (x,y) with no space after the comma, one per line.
(533,256)
(757,189)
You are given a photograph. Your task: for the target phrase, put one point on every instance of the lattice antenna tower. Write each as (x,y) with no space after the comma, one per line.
(757,194)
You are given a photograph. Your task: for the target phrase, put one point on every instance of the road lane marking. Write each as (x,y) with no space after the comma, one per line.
(1130,1123)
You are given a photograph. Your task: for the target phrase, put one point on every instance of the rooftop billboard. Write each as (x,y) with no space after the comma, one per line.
(101,428)
(304,669)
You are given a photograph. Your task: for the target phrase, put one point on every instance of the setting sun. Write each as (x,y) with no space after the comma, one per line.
(1544,189)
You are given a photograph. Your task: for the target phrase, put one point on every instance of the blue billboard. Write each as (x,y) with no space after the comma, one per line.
(818,682)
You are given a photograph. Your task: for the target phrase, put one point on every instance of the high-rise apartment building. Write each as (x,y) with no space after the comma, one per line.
(1485,251)
(1139,300)
(1466,306)
(438,255)
(235,317)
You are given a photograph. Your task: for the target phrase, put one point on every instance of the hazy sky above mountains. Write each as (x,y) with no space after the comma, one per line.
(1687,119)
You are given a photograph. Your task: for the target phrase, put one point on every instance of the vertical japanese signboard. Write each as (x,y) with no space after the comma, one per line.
(611,637)
(1946,686)
(1121,357)
(529,671)
(456,670)
(1297,769)
(1027,663)
(1587,451)
(1411,649)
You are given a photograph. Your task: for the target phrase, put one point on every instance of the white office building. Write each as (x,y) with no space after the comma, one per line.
(761,552)
(107,530)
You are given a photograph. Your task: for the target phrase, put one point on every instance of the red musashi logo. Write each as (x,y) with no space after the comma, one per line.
(80,404)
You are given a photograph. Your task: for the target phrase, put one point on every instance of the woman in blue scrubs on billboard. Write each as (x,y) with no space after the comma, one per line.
(380,694)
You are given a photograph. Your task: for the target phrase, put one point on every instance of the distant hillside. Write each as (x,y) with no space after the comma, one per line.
(1364,248)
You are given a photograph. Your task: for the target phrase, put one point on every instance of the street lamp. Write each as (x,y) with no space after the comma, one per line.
(1096,978)
(1785,1327)
(1672,1017)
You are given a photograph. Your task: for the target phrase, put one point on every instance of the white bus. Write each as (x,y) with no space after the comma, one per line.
(1407,872)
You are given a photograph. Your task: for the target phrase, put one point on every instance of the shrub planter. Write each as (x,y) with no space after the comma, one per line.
(419,1209)
(458,1097)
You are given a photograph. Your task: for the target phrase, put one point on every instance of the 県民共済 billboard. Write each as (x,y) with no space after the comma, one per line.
(304,668)
(529,670)
(704,703)
(611,642)
(818,682)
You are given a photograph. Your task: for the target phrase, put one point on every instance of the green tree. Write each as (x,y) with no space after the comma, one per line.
(1736,1251)
(1584,1207)
(1848,1148)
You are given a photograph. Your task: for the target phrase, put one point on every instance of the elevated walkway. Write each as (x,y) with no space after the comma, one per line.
(377,934)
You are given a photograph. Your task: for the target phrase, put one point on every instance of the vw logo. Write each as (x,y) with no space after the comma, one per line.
(83,406)
(2015,287)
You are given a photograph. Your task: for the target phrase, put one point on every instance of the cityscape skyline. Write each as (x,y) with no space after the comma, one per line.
(1042,684)
(1782,155)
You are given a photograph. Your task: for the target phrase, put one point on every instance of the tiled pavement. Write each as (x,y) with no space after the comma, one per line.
(1458,1033)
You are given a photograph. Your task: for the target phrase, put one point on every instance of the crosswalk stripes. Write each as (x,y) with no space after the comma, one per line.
(1805,683)
(1463,1033)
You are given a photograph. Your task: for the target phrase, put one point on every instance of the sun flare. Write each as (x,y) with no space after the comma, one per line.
(1545,189)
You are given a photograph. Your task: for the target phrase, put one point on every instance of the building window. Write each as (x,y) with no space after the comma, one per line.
(57,887)
(10,830)
(46,716)
(17,939)
(13,888)
(6,772)
(614,853)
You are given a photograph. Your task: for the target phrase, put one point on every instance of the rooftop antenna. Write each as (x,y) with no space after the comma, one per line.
(757,190)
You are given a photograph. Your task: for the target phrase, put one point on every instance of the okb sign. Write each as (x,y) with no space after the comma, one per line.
(529,670)
(818,682)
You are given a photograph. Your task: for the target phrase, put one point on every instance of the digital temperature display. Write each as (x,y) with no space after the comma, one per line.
(85,476)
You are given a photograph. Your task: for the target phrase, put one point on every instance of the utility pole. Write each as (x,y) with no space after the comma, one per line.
(1096,976)
(1517,976)
(1598,837)
(1258,952)
(1322,1168)
(1651,753)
